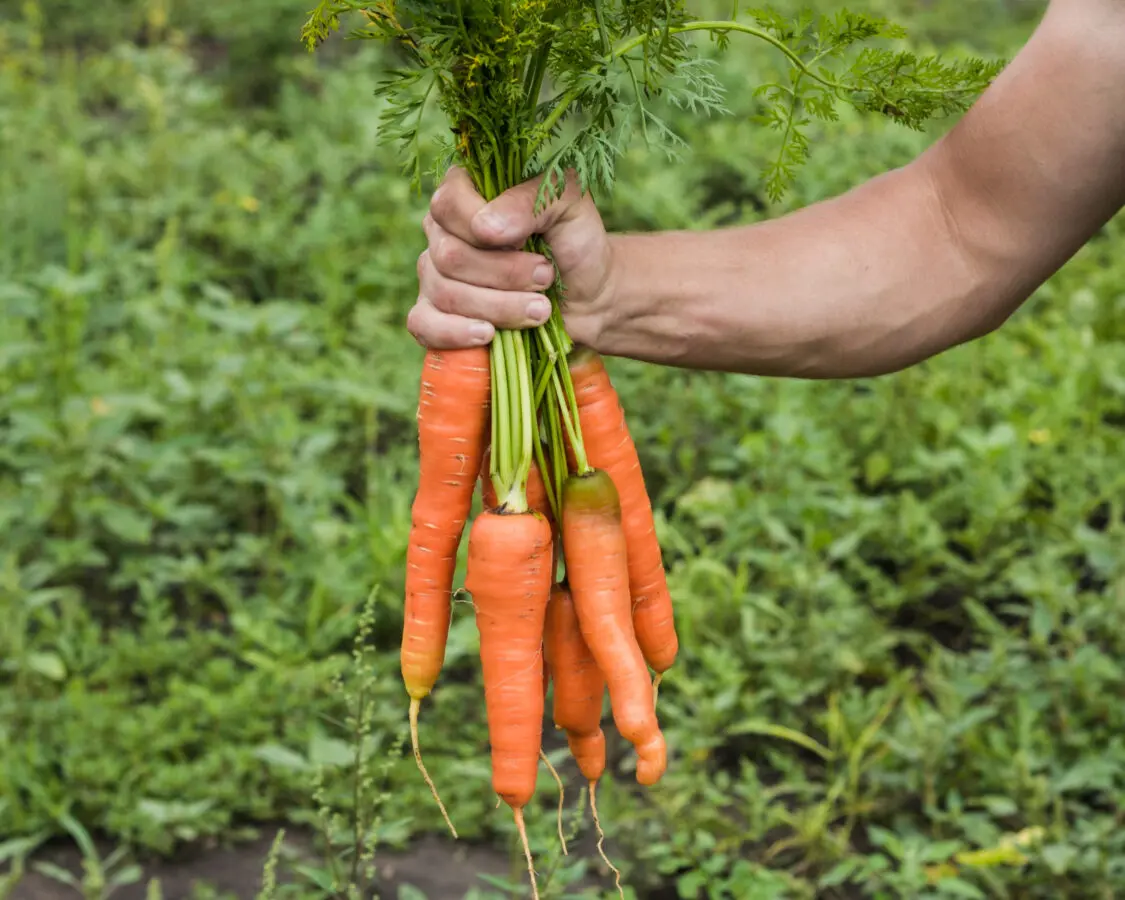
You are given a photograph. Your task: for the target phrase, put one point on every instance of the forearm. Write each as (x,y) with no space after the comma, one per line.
(912,263)
(861,285)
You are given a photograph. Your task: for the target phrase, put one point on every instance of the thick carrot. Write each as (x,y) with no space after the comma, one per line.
(536,498)
(610,446)
(597,569)
(579,685)
(509,576)
(452,423)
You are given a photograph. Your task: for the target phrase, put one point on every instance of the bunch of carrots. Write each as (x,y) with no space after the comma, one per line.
(564,568)
(569,590)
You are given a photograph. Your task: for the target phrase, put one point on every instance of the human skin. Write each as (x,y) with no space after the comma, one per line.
(904,267)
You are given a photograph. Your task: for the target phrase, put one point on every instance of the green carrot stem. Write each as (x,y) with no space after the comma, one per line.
(493,465)
(527,411)
(569,421)
(501,450)
(559,465)
(548,481)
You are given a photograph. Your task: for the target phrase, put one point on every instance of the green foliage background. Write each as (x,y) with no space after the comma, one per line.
(899,600)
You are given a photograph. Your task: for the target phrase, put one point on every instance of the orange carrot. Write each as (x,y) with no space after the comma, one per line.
(610,446)
(597,569)
(536,498)
(579,689)
(579,685)
(452,423)
(509,576)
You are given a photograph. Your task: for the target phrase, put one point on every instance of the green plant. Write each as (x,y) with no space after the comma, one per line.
(100,878)
(243,397)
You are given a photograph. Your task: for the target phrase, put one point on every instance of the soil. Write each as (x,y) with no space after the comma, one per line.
(436,867)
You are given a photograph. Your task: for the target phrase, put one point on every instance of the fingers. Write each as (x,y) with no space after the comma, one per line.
(437,330)
(506,222)
(510,219)
(503,309)
(474,278)
(456,203)
(503,270)
(452,314)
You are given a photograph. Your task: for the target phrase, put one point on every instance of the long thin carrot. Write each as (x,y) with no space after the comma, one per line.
(609,446)
(579,692)
(595,548)
(579,685)
(509,576)
(452,422)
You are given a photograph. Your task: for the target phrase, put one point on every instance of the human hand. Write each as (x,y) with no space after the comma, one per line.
(474,278)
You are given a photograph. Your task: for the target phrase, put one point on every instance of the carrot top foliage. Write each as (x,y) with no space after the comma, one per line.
(534,87)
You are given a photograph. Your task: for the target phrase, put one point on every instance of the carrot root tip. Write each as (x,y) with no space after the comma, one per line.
(657,678)
(601,839)
(518,813)
(415,706)
(562,800)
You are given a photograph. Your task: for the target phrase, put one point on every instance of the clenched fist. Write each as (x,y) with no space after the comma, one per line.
(474,277)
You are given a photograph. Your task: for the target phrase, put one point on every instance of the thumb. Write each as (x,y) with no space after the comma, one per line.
(510,219)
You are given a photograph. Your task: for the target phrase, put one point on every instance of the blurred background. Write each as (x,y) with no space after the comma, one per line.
(899,601)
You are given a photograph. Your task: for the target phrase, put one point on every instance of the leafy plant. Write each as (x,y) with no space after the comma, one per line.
(511,75)
(236,386)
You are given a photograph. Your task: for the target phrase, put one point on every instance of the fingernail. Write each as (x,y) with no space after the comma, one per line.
(481,333)
(545,275)
(539,310)
(494,223)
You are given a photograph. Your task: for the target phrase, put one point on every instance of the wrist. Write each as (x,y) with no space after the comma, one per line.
(621,310)
(595,317)
(606,307)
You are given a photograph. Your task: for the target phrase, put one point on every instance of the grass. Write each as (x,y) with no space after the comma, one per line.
(899,600)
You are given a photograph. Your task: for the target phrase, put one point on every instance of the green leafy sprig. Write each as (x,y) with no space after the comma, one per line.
(603,64)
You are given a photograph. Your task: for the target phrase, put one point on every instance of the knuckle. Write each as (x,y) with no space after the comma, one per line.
(442,295)
(447,254)
(515,274)
(423,263)
(441,204)
(414,324)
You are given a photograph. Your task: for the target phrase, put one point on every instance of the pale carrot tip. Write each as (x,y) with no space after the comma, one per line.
(659,677)
(562,799)
(518,813)
(601,839)
(415,705)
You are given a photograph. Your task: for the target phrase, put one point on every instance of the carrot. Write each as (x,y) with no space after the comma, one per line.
(610,446)
(579,685)
(452,422)
(509,576)
(536,498)
(595,547)
(579,689)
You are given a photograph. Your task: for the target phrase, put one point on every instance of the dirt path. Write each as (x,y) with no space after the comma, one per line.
(436,867)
